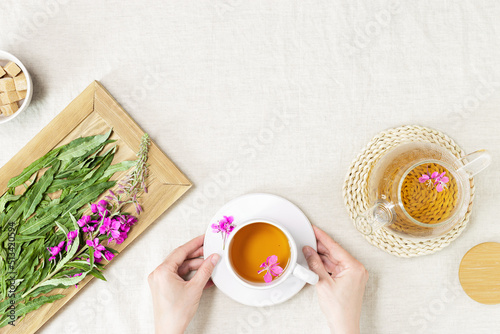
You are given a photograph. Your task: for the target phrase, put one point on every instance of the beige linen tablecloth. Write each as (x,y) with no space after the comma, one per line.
(280,96)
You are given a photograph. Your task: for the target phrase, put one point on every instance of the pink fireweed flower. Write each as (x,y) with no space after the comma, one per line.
(107,225)
(441,181)
(138,208)
(424,178)
(108,255)
(272,268)
(115,233)
(113,228)
(54,251)
(85,224)
(98,249)
(225,226)
(127,222)
(102,208)
(435,179)
(112,196)
(71,236)
(88,228)
(83,221)
(118,237)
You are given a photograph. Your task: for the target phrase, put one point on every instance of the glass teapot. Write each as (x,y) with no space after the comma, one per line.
(419,190)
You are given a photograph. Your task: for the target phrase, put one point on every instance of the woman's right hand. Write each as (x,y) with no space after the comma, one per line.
(341,285)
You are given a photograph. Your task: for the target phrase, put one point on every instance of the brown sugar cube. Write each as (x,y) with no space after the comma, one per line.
(7,85)
(9,109)
(12,69)
(2,72)
(20,82)
(9,97)
(21,94)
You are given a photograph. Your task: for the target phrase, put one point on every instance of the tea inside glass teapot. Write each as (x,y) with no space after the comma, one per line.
(419,190)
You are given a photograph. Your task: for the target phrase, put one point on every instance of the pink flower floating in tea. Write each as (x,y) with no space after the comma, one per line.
(225,226)
(436,179)
(272,267)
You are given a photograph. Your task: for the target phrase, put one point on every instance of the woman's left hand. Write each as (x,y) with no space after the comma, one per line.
(175,300)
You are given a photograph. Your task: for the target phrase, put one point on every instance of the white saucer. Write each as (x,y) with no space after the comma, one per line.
(253,206)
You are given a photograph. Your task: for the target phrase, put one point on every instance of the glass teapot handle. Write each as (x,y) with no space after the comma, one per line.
(477,161)
(376,217)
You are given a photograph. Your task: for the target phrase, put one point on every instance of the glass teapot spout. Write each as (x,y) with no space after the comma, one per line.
(376,217)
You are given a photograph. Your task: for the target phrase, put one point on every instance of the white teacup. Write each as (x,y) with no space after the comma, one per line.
(293,267)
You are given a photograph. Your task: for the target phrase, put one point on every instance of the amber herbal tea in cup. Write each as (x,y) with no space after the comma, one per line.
(253,245)
(261,254)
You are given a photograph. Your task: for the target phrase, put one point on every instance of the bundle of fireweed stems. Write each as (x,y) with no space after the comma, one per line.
(46,241)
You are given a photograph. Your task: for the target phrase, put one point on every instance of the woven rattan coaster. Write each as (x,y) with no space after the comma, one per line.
(355,189)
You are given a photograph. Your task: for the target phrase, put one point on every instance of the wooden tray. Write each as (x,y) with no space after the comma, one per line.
(93,112)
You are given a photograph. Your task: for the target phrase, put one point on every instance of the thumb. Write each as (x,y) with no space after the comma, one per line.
(203,274)
(315,263)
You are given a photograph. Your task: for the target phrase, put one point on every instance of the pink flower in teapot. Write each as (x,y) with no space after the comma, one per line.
(439,180)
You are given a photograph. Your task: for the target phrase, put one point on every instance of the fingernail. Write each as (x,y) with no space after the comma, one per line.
(306,250)
(215,259)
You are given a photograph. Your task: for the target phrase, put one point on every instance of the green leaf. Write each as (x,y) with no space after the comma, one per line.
(96,273)
(27,238)
(75,222)
(25,262)
(15,209)
(79,148)
(4,304)
(80,162)
(96,175)
(67,281)
(85,266)
(22,309)
(67,272)
(62,228)
(39,189)
(46,269)
(91,257)
(33,277)
(114,251)
(35,224)
(42,210)
(79,264)
(15,212)
(119,167)
(44,290)
(63,183)
(87,196)
(43,162)
(6,199)
(89,174)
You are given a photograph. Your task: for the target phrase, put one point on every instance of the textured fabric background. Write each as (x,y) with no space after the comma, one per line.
(289,92)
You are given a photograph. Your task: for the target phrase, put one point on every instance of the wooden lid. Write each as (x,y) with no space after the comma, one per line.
(479,273)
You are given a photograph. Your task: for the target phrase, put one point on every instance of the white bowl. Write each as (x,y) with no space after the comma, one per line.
(5,56)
